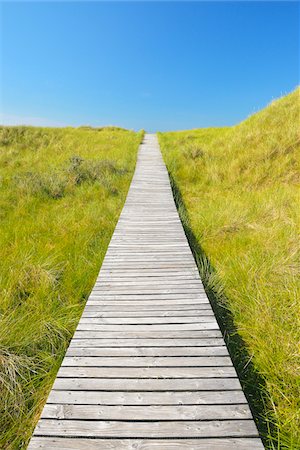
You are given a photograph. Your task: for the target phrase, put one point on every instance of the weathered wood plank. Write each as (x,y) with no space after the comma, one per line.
(146,265)
(121,429)
(148,274)
(177,334)
(164,303)
(155,316)
(44,443)
(164,294)
(152,412)
(147,342)
(148,351)
(155,308)
(147,398)
(145,372)
(146,361)
(140,384)
(145,281)
(90,325)
(150,321)
(147,299)
(187,285)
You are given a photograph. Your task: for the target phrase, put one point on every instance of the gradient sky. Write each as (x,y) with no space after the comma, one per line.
(151,65)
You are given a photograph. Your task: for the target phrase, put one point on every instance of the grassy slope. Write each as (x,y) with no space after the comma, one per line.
(57,217)
(238,186)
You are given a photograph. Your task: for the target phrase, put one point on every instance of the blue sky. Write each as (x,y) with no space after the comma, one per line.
(151,65)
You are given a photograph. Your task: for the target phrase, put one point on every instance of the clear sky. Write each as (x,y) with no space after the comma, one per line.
(151,65)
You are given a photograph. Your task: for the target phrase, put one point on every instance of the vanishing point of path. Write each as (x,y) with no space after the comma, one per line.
(147,367)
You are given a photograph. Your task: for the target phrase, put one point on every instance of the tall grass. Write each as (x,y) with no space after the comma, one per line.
(61,194)
(239,189)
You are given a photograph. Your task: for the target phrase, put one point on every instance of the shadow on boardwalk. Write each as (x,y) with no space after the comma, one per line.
(252,382)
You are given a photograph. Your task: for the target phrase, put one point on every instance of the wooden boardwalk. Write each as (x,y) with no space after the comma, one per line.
(147,367)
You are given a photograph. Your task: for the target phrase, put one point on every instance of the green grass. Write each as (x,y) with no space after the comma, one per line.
(61,192)
(240,201)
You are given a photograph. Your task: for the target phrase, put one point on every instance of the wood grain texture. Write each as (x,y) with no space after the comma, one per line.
(39,443)
(152,412)
(143,334)
(152,384)
(189,316)
(147,367)
(147,398)
(146,342)
(148,351)
(147,361)
(146,372)
(166,429)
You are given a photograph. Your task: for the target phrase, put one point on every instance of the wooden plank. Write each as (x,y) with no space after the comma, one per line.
(176,274)
(147,284)
(145,372)
(178,309)
(147,342)
(155,316)
(179,292)
(122,240)
(179,334)
(147,261)
(146,265)
(131,277)
(147,398)
(127,255)
(150,304)
(121,429)
(122,384)
(152,412)
(144,328)
(152,258)
(148,321)
(141,274)
(172,297)
(148,351)
(179,248)
(147,361)
(45,443)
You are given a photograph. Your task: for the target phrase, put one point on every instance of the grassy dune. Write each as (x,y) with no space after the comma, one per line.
(239,191)
(62,191)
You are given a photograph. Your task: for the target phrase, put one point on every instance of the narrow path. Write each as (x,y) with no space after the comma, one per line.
(147,367)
